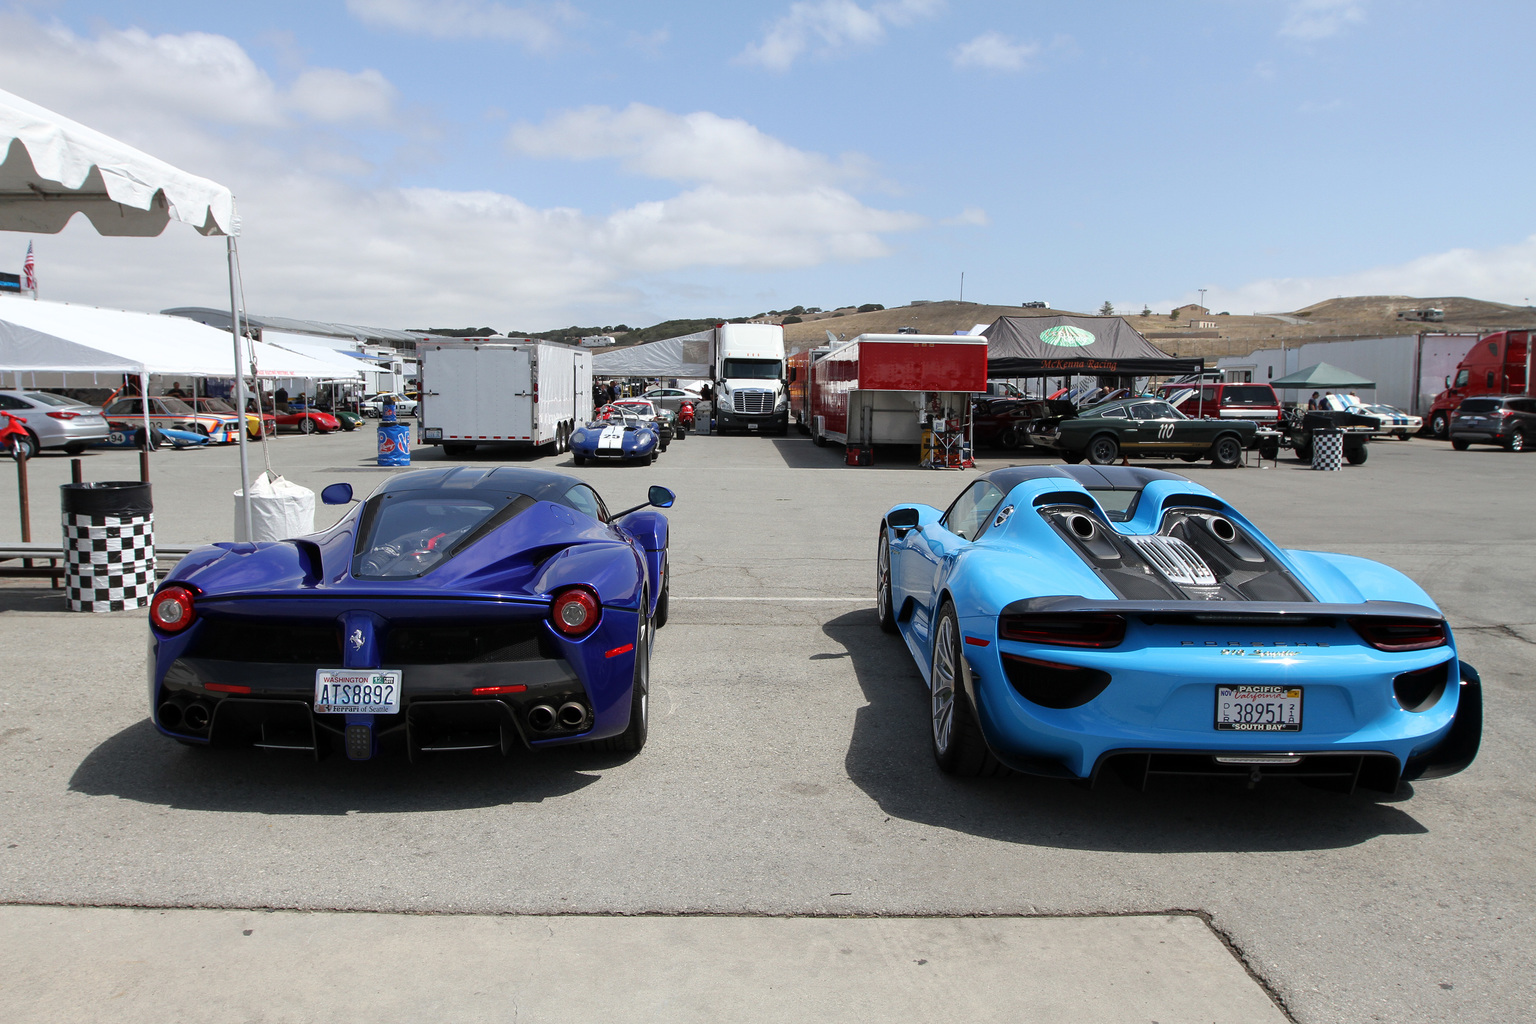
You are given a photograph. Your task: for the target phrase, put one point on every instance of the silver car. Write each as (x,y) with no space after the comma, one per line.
(54,421)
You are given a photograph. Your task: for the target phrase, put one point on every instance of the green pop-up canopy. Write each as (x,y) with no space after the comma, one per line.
(1322,375)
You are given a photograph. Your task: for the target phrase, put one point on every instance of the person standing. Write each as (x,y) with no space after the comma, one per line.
(1314,401)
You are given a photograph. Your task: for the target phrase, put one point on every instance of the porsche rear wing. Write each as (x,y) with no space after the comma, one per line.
(1222,612)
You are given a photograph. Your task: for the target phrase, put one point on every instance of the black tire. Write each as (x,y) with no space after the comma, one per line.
(306,426)
(74,448)
(682,432)
(1357,456)
(1009,438)
(1227,452)
(1269,451)
(1303,451)
(23,446)
(883,601)
(958,746)
(1516,442)
(140,444)
(580,460)
(1103,450)
(633,738)
(457,451)
(664,602)
(1459,444)
(1440,425)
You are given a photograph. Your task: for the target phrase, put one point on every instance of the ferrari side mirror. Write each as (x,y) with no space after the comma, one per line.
(902,519)
(661,497)
(337,494)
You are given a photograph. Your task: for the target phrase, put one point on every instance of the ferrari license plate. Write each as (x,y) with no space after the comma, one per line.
(368,691)
(1258,708)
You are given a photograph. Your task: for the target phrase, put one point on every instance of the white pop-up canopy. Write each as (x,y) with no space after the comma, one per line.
(54,168)
(60,337)
(342,363)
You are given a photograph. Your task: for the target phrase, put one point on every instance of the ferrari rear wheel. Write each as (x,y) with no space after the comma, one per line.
(958,746)
(1103,450)
(883,585)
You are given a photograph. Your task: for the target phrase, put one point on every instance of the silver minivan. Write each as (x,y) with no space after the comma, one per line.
(54,421)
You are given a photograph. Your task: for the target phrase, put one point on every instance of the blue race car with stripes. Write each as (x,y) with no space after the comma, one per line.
(453,609)
(616,434)
(1072,619)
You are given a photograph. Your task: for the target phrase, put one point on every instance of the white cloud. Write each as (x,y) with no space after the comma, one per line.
(331,95)
(1501,274)
(1318,19)
(994,51)
(971,216)
(830,24)
(319,244)
(537,27)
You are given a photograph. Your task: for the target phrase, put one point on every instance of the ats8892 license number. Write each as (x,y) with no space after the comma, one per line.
(360,692)
(1258,708)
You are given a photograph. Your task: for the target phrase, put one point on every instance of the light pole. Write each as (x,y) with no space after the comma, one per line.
(1202,297)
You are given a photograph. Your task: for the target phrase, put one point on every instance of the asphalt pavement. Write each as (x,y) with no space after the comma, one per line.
(788,771)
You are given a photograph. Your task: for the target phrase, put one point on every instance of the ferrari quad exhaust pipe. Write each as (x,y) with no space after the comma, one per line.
(196,717)
(572,714)
(170,715)
(541,718)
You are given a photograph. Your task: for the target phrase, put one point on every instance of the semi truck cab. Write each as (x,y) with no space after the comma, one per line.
(1498,364)
(751,387)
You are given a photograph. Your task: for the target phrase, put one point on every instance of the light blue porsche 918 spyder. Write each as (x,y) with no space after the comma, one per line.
(1069,619)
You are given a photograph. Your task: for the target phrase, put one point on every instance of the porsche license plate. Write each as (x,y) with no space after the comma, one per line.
(1258,708)
(369,691)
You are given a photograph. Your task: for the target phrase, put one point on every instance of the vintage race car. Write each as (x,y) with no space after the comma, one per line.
(1069,619)
(307,421)
(665,419)
(616,434)
(1145,428)
(454,609)
(172,414)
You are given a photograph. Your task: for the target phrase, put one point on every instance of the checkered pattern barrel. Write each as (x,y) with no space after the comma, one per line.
(109,545)
(1327,449)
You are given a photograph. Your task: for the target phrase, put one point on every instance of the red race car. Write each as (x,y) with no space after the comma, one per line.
(307,421)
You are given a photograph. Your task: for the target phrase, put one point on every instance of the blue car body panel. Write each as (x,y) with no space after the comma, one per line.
(270,615)
(1164,673)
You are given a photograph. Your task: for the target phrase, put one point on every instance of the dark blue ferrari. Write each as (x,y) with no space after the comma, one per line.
(453,609)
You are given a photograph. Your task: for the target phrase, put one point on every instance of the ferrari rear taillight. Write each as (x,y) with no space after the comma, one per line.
(1401,634)
(574,612)
(1091,630)
(172,609)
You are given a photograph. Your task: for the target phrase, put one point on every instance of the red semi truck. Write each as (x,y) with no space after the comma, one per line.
(1497,364)
(889,388)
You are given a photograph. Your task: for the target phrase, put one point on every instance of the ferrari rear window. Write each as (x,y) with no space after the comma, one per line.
(405,534)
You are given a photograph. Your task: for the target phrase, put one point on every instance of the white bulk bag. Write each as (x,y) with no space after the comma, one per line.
(280,509)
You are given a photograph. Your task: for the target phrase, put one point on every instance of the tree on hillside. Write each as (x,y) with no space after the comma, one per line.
(1146,310)
(1173,314)
(1107,309)
(792,319)
(870,307)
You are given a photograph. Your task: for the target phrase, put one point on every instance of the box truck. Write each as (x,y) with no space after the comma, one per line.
(503,392)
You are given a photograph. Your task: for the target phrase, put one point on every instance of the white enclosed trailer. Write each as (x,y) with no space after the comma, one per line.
(502,392)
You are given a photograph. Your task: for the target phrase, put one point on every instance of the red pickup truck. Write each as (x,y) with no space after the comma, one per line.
(1257,402)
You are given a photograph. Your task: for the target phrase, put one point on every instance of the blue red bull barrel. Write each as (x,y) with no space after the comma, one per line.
(395,444)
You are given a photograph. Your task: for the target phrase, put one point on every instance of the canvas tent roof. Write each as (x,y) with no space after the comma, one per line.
(59,336)
(1322,375)
(1032,346)
(52,168)
(343,364)
(688,356)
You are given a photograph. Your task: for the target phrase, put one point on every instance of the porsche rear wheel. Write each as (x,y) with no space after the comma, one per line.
(1103,450)
(883,585)
(958,746)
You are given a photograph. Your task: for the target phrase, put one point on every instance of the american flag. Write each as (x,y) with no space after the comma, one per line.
(29,271)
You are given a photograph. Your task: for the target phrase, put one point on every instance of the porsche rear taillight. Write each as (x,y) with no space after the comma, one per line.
(173,610)
(1401,634)
(1092,630)
(574,612)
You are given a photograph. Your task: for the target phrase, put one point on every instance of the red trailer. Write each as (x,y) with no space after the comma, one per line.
(897,388)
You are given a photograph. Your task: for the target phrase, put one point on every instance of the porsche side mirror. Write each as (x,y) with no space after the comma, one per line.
(661,497)
(337,494)
(902,519)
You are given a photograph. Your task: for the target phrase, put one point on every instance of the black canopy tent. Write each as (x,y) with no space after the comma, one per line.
(1051,346)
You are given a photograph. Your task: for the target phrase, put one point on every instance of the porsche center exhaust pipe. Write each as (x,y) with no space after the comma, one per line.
(196,717)
(541,718)
(572,714)
(170,715)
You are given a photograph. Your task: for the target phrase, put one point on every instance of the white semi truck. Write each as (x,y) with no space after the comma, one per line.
(501,392)
(750,379)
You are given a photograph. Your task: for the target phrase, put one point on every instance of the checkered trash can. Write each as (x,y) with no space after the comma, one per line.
(109,545)
(1327,449)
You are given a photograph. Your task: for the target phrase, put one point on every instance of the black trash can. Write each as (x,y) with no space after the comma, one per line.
(109,545)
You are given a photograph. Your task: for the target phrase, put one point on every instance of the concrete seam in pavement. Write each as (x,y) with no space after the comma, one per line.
(1241,958)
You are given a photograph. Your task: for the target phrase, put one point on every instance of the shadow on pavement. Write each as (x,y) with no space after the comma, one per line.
(889,757)
(141,765)
(28,597)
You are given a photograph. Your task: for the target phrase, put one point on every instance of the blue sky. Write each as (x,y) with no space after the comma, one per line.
(458,162)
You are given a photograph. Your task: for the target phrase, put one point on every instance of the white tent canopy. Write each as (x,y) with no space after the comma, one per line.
(342,364)
(692,356)
(56,336)
(54,168)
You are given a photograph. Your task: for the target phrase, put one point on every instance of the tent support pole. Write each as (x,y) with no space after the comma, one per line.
(234,330)
(149,437)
